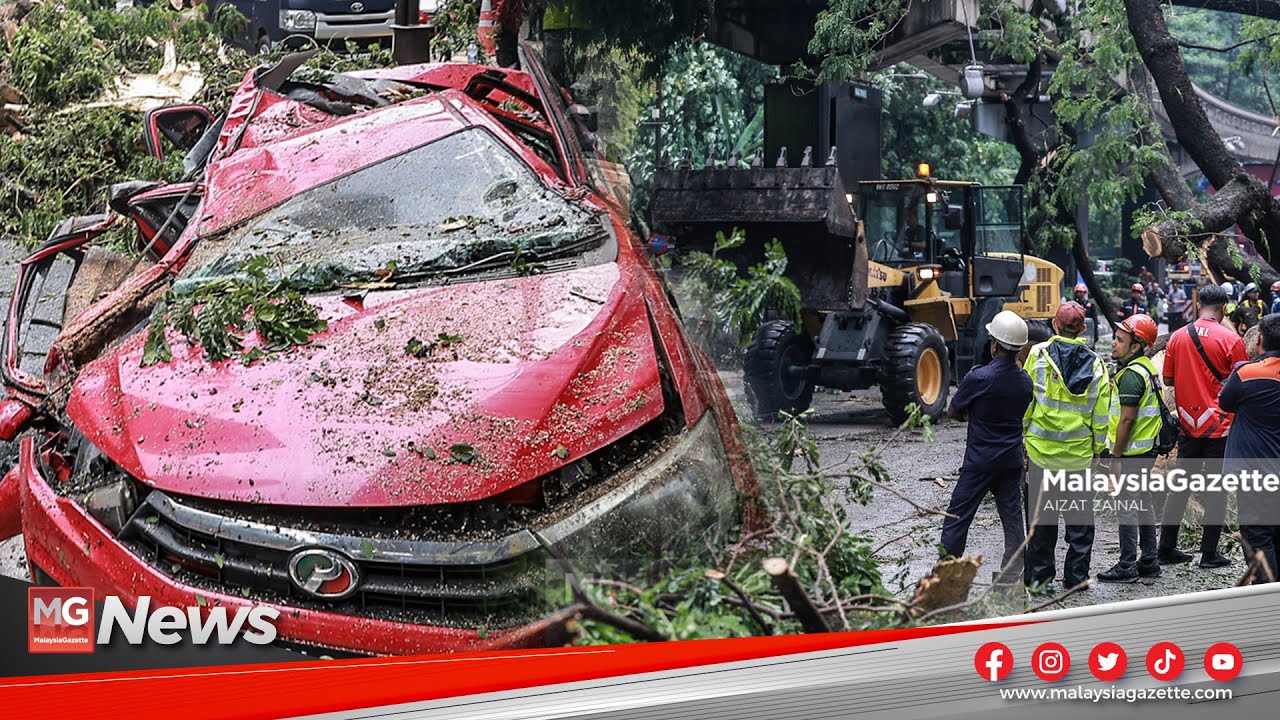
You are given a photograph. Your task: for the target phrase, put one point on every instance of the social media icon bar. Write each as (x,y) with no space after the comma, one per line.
(1051,662)
(993,661)
(1108,662)
(1165,661)
(1223,662)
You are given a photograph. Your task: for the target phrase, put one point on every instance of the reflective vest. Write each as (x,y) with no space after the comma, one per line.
(1062,430)
(1146,429)
(566,15)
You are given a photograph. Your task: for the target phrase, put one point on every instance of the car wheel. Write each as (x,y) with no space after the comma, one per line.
(916,369)
(264,44)
(776,370)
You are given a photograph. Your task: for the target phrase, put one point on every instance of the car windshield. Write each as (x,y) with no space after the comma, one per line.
(460,203)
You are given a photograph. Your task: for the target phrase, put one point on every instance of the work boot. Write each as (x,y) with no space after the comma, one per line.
(1149,570)
(1173,556)
(1216,560)
(1119,574)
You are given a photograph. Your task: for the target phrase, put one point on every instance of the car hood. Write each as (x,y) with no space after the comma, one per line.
(550,369)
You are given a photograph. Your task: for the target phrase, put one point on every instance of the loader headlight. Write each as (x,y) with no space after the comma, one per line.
(297,20)
(928,273)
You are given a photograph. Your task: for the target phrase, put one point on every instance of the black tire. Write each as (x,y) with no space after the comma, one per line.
(916,369)
(263,45)
(769,369)
(1038,331)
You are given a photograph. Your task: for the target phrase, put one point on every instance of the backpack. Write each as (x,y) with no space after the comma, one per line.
(1167,437)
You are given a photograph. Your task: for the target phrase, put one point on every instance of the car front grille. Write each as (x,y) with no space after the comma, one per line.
(459,584)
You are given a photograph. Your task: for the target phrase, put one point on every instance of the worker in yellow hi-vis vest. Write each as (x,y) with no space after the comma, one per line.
(1064,429)
(566,28)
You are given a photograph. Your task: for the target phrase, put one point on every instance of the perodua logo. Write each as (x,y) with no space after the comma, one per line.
(324,573)
(357,7)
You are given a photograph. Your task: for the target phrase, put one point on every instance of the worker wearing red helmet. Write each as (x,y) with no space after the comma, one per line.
(1090,310)
(1135,305)
(1131,433)
(1275,297)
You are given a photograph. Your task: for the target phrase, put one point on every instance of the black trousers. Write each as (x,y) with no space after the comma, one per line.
(970,490)
(1215,504)
(1044,510)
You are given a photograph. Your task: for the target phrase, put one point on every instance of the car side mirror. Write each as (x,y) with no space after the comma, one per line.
(181,126)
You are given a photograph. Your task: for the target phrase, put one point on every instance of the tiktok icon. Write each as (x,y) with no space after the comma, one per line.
(1165,661)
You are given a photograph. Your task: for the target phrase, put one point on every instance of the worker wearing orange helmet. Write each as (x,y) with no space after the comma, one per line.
(1135,423)
(1090,310)
(1135,305)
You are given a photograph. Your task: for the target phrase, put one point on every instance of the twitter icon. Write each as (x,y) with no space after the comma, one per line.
(1108,662)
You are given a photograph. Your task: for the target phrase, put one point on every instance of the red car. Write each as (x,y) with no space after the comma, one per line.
(385,501)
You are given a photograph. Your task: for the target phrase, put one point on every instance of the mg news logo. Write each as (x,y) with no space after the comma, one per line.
(62,620)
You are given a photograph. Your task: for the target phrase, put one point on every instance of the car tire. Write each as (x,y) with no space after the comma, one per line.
(771,370)
(916,369)
(263,46)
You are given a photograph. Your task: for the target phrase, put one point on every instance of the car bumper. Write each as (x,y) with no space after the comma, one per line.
(688,484)
(344,27)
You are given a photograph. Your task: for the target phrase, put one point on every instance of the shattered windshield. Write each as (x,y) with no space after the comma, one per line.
(459,204)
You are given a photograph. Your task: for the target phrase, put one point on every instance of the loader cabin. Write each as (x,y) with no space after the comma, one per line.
(950,226)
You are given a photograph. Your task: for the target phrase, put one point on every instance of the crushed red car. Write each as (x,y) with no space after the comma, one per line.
(385,501)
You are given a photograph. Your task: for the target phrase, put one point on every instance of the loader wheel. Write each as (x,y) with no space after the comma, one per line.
(775,370)
(916,369)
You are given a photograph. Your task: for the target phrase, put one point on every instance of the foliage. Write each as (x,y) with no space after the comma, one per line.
(455,26)
(720,301)
(913,134)
(216,314)
(65,54)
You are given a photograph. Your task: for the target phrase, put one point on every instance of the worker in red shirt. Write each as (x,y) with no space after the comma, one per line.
(1197,361)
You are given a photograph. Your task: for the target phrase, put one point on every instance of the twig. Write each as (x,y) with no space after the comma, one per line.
(789,586)
(886,488)
(765,628)
(1229,48)
(634,628)
(1066,594)
(887,543)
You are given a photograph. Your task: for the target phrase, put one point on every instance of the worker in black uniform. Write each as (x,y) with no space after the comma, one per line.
(993,398)
(1135,305)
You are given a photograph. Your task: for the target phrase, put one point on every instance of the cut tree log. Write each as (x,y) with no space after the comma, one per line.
(948,585)
(1241,199)
(788,585)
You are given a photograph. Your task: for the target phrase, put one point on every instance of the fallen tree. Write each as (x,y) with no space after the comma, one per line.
(1185,226)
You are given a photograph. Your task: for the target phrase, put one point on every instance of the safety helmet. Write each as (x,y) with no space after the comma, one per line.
(1251,287)
(1231,290)
(1081,287)
(1008,329)
(1141,327)
(1275,286)
(1137,287)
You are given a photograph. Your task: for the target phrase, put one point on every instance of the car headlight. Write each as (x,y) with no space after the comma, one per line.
(297,20)
(112,504)
(100,486)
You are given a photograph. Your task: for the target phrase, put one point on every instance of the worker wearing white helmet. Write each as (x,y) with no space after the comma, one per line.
(993,398)
(1249,310)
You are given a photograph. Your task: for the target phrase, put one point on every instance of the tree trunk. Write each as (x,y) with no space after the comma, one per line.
(1241,198)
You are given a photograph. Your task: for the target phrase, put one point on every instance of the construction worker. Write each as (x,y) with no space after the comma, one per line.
(1090,309)
(1197,360)
(1250,310)
(1275,297)
(566,28)
(1135,305)
(993,398)
(1065,428)
(1131,433)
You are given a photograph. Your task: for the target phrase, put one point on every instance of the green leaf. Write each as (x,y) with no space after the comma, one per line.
(418,349)
(219,559)
(366,549)
(463,453)
(560,452)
